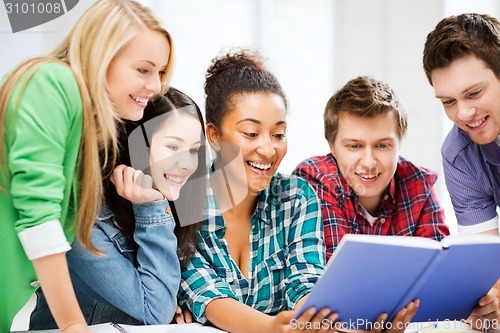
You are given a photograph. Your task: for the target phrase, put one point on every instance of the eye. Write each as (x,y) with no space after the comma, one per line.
(474,94)
(448,102)
(173,147)
(194,151)
(280,136)
(143,70)
(251,135)
(354,146)
(383,145)
(162,73)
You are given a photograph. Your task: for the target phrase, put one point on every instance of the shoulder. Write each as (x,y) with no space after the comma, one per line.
(318,165)
(456,144)
(290,187)
(48,79)
(407,172)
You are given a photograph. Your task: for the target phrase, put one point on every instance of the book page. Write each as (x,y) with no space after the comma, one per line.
(469,239)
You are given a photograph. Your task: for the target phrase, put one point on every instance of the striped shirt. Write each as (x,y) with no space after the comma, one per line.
(472,174)
(287,253)
(409,205)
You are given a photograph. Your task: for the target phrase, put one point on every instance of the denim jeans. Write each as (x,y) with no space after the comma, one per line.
(123,285)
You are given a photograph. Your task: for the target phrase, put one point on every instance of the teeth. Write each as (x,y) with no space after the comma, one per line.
(477,123)
(140,100)
(367,176)
(174,179)
(260,166)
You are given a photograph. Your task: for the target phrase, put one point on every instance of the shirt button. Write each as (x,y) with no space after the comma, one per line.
(382,220)
(35,284)
(386,196)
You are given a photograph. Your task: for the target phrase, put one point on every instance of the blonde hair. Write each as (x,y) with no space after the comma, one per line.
(100,33)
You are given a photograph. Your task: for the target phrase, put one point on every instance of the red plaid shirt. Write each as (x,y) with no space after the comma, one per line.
(409,206)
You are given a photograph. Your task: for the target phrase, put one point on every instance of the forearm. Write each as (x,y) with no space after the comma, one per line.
(53,274)
(230,315)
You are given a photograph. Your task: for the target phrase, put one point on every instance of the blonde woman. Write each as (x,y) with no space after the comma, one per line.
(58,116)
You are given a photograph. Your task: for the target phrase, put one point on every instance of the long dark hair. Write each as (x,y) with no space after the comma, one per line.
(189,206)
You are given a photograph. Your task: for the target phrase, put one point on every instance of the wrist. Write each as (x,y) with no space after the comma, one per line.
(74,327)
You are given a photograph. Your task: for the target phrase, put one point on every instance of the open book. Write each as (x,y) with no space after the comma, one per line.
(368,275)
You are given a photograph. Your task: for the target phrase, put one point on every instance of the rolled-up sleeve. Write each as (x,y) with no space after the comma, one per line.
(38,127)
(200,285)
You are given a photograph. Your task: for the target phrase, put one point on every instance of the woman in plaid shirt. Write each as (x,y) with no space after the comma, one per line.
(261,244)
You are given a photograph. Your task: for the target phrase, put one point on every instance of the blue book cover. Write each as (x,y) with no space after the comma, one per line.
(368,275)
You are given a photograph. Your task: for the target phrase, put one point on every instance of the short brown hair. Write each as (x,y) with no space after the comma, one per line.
(458,36)
(363,97)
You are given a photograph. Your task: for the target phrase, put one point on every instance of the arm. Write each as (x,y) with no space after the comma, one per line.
(65,310)
(474,206)
(306,259)
(41,166)
(148,291)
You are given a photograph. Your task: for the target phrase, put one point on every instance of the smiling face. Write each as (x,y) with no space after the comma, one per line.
(256,125)
(469,92)
(174,153)
(134,74)
(366,150)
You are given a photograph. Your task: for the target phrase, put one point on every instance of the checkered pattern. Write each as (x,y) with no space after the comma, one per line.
(409,206)
(287,253)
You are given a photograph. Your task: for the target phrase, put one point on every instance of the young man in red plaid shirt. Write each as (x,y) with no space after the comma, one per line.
(364,186)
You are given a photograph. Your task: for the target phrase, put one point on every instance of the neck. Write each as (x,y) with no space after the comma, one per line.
(233,196)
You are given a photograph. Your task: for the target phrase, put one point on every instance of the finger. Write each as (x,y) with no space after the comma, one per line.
(188,317)
(328,323)
(378,325)
(306,316)
(487,309)
(179,319)
(138,178)
(317,319)
(117,177)
(412,311)
(489,297)
(147,182)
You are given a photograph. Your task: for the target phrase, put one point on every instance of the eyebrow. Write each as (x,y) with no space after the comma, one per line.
(148,61)
(360,140)
(178,139)
(258,122)
(472,87)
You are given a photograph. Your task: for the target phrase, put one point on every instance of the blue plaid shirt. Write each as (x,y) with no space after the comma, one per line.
(287,253)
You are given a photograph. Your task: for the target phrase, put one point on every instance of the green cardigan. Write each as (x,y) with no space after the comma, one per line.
(42,141)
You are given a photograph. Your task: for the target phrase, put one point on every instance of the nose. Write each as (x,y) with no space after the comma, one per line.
(266,148)
(154,84)
(465,112)
(187,161)
(369,160)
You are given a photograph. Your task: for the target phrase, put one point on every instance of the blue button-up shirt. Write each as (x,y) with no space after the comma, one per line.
(472,174)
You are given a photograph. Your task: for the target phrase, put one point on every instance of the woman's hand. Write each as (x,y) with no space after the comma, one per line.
(134,185)
(321,322)
(182,316)
(487,314)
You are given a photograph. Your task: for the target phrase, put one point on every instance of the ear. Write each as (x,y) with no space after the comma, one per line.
(332,149)
(213,136)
